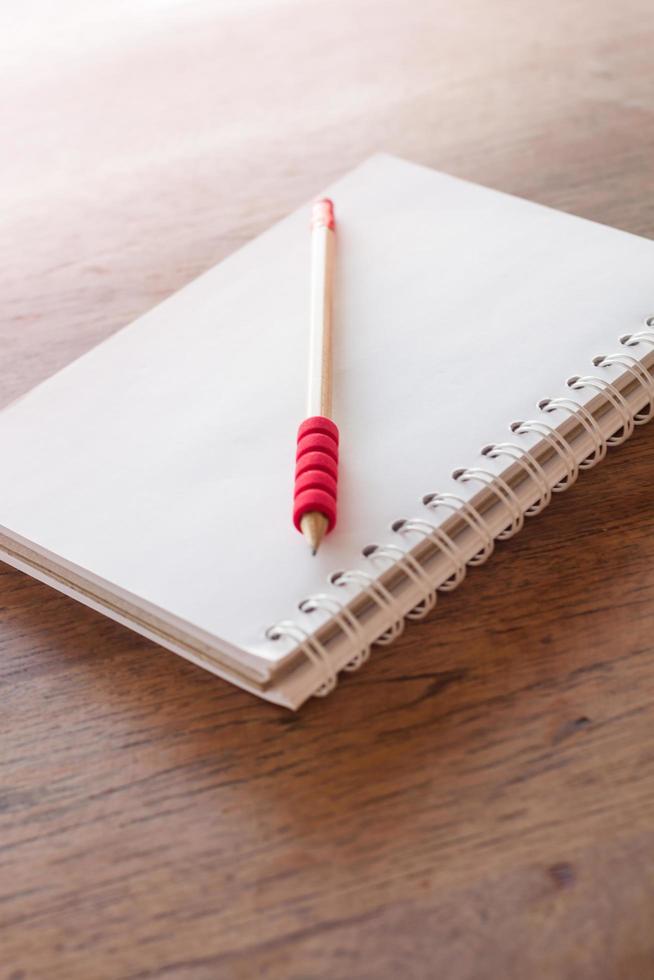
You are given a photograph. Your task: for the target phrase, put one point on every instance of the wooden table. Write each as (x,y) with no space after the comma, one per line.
(477,802)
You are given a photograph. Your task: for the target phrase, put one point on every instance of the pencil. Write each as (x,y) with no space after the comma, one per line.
(314,505)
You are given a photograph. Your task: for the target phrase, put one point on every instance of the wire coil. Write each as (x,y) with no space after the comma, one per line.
(532,468)
(588,422)
(313,650)
(638,372)
(442,540)
(615,397)
(415,572)
(379,594)
(347,622)
(503,491)
(412,569)
(471,516)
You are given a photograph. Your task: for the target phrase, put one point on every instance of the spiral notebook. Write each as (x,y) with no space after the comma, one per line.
(487,351)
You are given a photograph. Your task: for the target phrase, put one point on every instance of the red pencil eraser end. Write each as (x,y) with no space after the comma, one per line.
(323,213)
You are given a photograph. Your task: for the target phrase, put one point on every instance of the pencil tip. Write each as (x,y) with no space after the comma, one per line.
(314,527)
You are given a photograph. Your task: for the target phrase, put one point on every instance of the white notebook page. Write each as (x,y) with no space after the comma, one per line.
(162,461)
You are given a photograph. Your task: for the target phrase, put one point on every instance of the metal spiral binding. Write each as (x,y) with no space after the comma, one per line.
(471,516)
(637,371)
(556,442)
(503,491)
(442,539)
(587,421)
(366,583)
(611,393)
(380,595)
(347,621)
(531,466)
(642,336)
(312,648)
(412,569)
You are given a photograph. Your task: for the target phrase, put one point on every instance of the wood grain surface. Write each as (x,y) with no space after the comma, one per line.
(477,802)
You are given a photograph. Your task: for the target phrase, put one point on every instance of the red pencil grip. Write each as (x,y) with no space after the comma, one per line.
(316,472)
